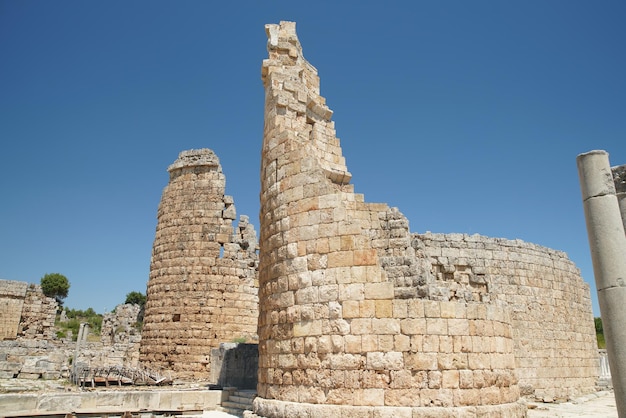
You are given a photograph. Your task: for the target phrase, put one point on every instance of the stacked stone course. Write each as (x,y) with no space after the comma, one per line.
(202,289)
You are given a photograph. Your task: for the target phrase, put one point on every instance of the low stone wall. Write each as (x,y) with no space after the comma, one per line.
(34,359)
(176,401)
(49,360)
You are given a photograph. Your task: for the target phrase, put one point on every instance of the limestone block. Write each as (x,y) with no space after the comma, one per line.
(385,326)
(12,403)
(420,361)
(58,402)
(383,290)
(385,361)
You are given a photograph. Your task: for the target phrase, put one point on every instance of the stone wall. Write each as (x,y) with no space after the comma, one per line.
(38,314)
(549,304)
(25,311)
(121,325)
(344,327)
(235,365)
(202,289)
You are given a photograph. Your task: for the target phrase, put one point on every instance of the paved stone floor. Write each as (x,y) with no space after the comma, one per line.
(601,404)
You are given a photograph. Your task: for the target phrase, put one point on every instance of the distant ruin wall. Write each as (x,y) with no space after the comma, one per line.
(38,314)
(12,294)
(25,311)
(202,289)
(553,332)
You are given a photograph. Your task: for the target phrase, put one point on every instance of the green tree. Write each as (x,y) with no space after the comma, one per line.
(599,332)
(55,285)
(598,323)
(137,298)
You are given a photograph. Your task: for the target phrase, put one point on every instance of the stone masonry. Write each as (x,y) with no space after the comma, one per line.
(345,324)
(549,303)
(25,311)
(202,289)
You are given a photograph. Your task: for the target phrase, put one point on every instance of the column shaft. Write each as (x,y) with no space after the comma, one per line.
(607,243)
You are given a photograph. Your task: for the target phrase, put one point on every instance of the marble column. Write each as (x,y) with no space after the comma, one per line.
(607,243)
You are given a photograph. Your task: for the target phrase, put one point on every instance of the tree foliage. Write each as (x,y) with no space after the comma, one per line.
(137,298)
(75,317)
(598,323)
(55,285)
(599,332)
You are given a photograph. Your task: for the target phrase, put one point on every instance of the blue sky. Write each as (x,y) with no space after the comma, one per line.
(467,116)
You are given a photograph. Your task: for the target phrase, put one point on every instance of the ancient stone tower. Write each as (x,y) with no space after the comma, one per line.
(347,324)
(202,289)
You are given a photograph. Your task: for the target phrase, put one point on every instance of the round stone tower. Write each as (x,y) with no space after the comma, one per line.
(202,289)
(345,328)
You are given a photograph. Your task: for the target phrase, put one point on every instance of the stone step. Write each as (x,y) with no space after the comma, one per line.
(233,411)
(238,401)
(246,393)
(236,397)
(235,404)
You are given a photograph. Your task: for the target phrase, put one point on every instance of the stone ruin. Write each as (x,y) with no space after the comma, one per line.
(354,314)
(359,317)
(35,352)
(202,289)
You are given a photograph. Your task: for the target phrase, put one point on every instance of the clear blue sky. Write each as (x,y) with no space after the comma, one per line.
(468,116)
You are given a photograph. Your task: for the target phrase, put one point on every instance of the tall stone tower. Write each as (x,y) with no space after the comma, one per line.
(345,324)
(202,289)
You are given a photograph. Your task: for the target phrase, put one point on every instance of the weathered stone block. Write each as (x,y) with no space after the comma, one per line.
(382,290)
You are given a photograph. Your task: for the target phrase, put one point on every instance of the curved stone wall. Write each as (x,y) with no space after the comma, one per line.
(202,289)
(550,307)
